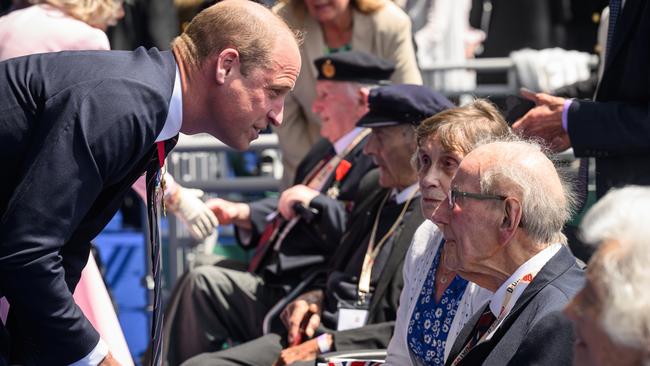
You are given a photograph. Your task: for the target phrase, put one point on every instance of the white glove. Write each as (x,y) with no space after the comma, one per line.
(197,217)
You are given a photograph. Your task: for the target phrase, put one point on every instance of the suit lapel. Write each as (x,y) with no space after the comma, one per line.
(627,21)
(464,334)
(561,262)
(401,244)
(556,266)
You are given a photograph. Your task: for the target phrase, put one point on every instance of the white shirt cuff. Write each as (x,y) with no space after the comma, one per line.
(95,356)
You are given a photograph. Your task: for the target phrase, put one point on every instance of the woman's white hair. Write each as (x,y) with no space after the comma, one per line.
(623,216)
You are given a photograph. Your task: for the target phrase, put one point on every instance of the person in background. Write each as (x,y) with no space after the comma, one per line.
(442,34)
(614,127)
(145,23)
(611,314)
(378,27)
(502,223)
(435,302)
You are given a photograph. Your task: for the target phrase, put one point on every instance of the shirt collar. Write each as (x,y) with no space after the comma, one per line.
(343,142)
(175,113)
(533,265)
(401,197)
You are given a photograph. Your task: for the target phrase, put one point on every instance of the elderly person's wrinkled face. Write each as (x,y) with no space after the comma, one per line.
(326,10)
(436,167)
(593,346)
(339,106)
(391,149)
(470,226)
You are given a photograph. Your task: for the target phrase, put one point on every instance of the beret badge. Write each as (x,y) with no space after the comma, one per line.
(328,69)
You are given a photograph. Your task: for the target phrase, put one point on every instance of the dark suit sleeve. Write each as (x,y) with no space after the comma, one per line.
(61,180)
(331,221)
(373,336)
(259,210)
(549,342)
(608,129)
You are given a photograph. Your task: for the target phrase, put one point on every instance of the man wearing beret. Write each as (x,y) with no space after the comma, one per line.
(354,305)
(226,302)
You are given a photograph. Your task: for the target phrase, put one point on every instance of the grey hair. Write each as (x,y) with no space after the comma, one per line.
(622,216)
(543,213)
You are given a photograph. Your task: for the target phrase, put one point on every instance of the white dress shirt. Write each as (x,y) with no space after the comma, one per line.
(532,266)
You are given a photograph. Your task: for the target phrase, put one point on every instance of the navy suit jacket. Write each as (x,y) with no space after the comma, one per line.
(76,130)
(533,333)
(615,129)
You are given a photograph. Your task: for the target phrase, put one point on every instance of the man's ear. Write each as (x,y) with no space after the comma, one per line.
(511,218)
(363,95)
(227,63)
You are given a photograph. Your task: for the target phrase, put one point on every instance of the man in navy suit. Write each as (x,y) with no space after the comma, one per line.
(78,128)
(503,230)
(615,127)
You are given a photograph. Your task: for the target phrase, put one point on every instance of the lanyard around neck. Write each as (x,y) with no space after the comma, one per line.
(506,307)
(373,250)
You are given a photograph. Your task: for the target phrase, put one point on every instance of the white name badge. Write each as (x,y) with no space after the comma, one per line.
(351,318)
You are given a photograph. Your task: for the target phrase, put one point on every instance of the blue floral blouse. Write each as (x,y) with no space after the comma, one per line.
(430,321)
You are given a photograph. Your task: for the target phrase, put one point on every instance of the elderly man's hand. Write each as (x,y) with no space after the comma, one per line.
(304,352)
(228,212)
(302,316)
(298,193)
(544,121)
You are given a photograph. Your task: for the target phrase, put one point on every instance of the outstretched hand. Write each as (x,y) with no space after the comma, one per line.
(228,212)
(544,121)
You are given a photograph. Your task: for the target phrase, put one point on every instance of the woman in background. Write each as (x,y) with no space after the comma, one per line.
(378,27)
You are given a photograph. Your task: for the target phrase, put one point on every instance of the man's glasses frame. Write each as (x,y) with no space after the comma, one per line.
(455,193)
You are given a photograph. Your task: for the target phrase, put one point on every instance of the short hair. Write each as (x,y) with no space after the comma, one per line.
(622,216)
(364,6)
(252,33)
(460,129)
(544,213)
(96,13)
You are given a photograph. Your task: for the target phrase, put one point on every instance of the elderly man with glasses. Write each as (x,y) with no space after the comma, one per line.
(502,225)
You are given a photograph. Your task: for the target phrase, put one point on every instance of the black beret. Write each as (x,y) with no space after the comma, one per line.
(402,103)
(354,66)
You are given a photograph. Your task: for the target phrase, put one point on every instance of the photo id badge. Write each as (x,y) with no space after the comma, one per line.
(351,316)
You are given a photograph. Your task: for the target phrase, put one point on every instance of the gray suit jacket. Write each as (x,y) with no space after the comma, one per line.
(533,333)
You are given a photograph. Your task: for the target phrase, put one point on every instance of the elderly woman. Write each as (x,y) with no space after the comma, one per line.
(435,303)
(378,27)
(611,314)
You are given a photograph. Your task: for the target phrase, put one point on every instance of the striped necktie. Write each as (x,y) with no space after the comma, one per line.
(154,197)
(614,12)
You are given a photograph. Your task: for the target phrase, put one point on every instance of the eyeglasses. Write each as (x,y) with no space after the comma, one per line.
(454,194)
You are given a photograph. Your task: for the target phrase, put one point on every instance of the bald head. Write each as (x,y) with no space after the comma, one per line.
(521,169)
(248,27)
